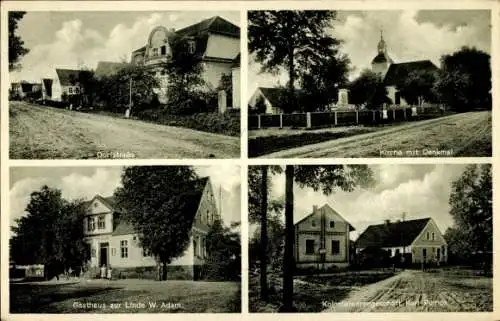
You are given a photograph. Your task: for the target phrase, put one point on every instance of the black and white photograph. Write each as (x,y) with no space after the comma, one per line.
(378,83)
(124,84)
(142,239)
(370,238)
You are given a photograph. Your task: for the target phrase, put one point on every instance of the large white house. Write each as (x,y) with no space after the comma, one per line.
(322,239)
(215,41)
(113,243)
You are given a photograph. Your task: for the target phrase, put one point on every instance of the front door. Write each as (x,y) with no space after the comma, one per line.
(103,257)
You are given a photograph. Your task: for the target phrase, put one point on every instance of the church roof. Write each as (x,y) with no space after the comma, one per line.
(381,57)
(391,234)
(397,73)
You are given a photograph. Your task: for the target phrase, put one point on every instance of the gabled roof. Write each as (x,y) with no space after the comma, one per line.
(191,199)
(351,228)
(69,77)
(214,24)
(108,68)
(397,73)
(392,234)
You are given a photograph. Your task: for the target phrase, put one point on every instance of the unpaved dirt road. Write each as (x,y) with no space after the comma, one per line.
(39,132)
(417,291)
(465,134)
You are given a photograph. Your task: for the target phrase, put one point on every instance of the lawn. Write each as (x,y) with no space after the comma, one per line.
(126,296)
(310,292)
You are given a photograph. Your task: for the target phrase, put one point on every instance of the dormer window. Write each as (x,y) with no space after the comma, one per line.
(163,50)
(91,224)
(155,52)
(191,46)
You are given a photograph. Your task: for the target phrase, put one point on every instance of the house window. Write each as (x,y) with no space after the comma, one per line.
(313,223)
(427,235)
(202,250)
(332,224)
(443,250)
(191,47)
(124,249)
(101,224)
(195,248)
(433,236)
(92,252)
(155,52)
(113,251)
(163,50)
(70,89)
(91,224)
(77,90)
(145,252)
(335,246)
(309,246)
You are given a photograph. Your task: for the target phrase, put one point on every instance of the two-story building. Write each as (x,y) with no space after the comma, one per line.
(214,41)
(322,239)
(113,242)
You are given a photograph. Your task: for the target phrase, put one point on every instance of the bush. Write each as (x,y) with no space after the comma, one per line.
(227,123)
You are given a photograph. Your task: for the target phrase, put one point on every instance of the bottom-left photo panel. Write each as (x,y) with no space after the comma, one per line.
(113,239)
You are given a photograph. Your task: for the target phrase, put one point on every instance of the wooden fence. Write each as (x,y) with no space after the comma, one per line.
(344,117)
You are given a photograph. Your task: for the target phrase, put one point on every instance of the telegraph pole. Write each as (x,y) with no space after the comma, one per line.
(127,112)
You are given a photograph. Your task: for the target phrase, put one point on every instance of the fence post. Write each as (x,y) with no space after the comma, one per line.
(308,119)
(357,117)
(373,114)
(281,120)
(394,114)
(335,117)
(258,121)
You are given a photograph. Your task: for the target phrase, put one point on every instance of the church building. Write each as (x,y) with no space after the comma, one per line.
(394,74)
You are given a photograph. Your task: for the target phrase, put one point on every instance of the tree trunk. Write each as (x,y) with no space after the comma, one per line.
(289,260)
(164,272)
(263,238)
(291,75)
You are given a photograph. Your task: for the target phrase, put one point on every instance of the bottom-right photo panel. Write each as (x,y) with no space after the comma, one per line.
(370,238)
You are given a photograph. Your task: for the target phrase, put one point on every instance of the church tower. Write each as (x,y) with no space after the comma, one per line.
(382,61)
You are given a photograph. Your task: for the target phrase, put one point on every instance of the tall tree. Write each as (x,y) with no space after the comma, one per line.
(16,44)
(464,82)
(153,199)
(259,182)
(50,233)
(322,82)
(186,86)
(224,252)
(295,41)
(472,210)
(368,90)
(325,178)
(418,86)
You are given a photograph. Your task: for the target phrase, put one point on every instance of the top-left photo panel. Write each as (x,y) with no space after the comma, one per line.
(123,84)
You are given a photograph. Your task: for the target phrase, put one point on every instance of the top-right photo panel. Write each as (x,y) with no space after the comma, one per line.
(325,84)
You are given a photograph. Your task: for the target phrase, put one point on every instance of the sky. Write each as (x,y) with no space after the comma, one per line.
(420,191)
(86,182)
(67,39)
(410,35)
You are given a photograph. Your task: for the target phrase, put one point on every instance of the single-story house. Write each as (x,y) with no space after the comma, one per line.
(419,240)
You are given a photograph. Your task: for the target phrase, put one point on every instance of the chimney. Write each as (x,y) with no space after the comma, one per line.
(387,222)
(315,208)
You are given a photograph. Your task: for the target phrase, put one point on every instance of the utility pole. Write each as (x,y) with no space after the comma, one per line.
(127,112)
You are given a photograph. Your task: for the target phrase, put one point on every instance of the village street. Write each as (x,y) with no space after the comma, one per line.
(42,132)
(464,134)
(417,291)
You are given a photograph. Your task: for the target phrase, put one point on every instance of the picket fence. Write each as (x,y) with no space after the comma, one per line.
(344,117)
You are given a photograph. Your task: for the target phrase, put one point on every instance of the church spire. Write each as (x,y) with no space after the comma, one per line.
(381,47)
